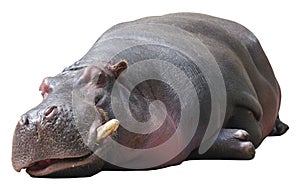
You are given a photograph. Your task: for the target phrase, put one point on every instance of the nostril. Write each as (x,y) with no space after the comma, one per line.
(24,120)
(51,111)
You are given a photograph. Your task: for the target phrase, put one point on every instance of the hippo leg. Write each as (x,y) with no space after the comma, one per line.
(245,119)
(230,144)
(238,139)
(279,128)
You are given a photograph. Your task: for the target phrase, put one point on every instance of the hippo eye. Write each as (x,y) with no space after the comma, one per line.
(45,88)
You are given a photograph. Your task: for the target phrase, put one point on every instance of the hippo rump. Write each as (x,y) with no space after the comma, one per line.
(153,93)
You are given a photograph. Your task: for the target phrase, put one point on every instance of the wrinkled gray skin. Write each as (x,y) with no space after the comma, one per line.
(48,144)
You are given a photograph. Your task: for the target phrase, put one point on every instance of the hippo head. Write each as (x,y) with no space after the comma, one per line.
(47,140)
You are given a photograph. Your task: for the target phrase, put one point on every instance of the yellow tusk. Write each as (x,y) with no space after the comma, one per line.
(107,129)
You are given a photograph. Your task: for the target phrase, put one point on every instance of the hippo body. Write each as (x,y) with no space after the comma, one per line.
(57,138)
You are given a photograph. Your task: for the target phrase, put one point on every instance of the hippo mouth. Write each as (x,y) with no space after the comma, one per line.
(50,166)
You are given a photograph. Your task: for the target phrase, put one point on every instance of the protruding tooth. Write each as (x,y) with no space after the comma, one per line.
(107,129)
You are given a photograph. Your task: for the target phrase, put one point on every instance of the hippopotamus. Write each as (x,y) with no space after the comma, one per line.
(152,93)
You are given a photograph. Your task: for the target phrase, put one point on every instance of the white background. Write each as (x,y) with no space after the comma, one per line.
(39,39)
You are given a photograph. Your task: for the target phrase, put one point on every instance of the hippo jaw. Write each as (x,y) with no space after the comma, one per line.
(49,167)
(87,165)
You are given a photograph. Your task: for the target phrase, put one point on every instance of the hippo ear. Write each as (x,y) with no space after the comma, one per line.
(93,77)
(118,68)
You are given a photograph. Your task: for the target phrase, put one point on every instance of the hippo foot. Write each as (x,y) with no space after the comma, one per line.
(230,144)
(279,129)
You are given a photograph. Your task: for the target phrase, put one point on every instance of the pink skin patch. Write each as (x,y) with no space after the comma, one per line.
(44,88)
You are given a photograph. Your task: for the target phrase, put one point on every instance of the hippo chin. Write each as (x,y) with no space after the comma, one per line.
(152,93)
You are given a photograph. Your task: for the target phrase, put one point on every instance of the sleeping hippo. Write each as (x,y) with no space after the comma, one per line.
(153,93)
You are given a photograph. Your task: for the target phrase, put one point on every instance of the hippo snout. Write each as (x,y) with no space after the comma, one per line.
(44,135)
